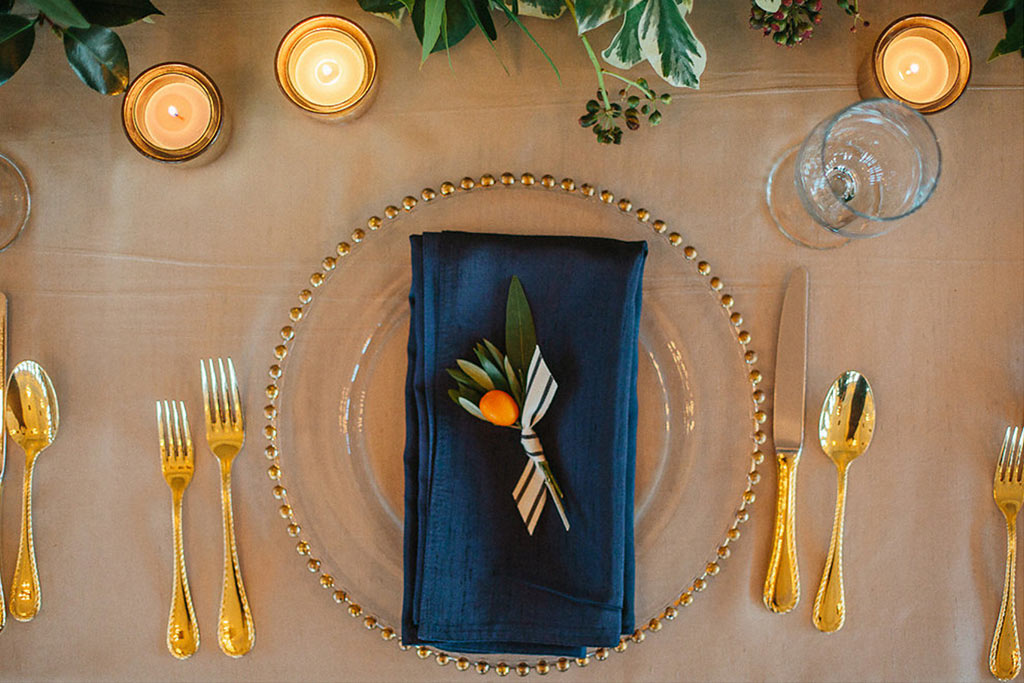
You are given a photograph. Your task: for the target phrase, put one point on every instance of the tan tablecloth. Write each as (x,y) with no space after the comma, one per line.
(130,271)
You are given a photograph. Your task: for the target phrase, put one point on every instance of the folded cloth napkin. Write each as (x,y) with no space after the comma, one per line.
(475,580)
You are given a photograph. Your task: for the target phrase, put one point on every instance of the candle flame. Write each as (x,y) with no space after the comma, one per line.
(327,71)
(173,111)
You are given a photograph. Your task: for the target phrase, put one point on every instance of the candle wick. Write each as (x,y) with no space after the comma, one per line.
(173,111)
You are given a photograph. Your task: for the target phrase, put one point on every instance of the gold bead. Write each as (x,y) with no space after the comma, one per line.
(638,636)
(750,356)
(422,652)
(742,516)
(508,178)
(542,667)
(271,450)
(502,669)
(295,314)
(327,581)
(387,633)
(690,253)
(659,226)
(354,610)
(287,332)
(270,432)
(313,565)
(749,496)
(755,376)
(275,369)
(447,189)
(733,534)
(760,417)
(305,296)
(675,239)
(623,644)
(587,190)
(340,596)
(391,211)
(547,181)
(671,613)
(343,249)
(409,203)
(757,457)
(467,184)
(461,663)
(271,391)
(759,437)
(643,215)
(625,206)
(280,351)
(442,659)
(522,669)
(727,301)
(358,234)
(684,599)
(482,667)
(723,551)
(736,319)
(294,529)
(754,477)
(302,548)
(654,625)
(704,268)
(607,197)
(316,279)
(486,180)
(699,584)
(528,179)
(759,396)
(568,184)
(279,492)
(712,568)
(370,623)
(562,664)
(716,283)
(374,222)
(428,194)
(285,511)
(582,661)
(274,472)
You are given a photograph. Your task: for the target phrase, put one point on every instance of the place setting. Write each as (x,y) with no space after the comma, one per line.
(514,420)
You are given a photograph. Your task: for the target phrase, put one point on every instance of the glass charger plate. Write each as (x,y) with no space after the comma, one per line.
(335,418)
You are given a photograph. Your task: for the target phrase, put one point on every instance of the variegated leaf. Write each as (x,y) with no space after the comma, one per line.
(592,13)
(625,51)
(769,5)
(670,45)
(540,9)
(394,17)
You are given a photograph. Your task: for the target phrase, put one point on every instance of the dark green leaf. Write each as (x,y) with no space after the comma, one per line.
(496,375)
(480,12)
(62,12)
(470,393)
(542,9)
(476,373)
(464,379)
(116,12)
(98,57)
(993,6)
(496,355)
(6,5)
(455,24)
(433,15)
(592,13)
(513,18)
(624,51)
(1014,39)
(513,381)
(454,395)
(17,35)
(392,10)
(520,334)
(472,408)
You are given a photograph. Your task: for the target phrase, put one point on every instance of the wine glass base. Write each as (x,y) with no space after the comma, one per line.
(15,202)
(788,212)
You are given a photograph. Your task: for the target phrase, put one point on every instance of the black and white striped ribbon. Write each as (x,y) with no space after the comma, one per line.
(531,492)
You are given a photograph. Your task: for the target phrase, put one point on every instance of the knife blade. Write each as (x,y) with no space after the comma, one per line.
(782,583)
(3,429)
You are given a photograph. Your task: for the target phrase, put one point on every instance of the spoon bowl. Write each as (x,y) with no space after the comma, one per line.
(31,418)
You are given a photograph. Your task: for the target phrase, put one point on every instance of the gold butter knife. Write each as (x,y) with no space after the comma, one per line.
(3,432)
(782,583)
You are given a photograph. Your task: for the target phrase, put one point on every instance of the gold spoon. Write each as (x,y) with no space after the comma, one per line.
(31,419)
(844,430)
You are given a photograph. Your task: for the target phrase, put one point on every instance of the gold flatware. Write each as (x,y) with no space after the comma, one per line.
(3,433)
(782,582)
(1008,491)
(225,435)
(31,417)
(845,429)
(177,462)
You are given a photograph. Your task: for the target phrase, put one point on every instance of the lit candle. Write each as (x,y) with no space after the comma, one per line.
(327,66)
(921,61)
(172,112)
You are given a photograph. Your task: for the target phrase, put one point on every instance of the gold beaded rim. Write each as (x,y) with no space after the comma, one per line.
(567,187)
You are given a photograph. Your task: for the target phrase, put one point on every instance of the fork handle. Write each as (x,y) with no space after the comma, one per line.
(236,631)
(25,594)
(782,583)
(1004,658)
(182,628)
(830,602)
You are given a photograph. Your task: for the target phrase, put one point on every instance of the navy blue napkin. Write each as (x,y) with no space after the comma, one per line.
(475,580)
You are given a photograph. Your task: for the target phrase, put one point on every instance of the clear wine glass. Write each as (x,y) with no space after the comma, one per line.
(870,164)
(15,202)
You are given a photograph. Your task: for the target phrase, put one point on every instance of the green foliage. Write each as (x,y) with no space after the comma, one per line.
(1013,17)
(94,52)
(520,334)
(604,119)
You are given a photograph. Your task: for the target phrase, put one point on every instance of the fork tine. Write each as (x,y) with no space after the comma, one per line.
(206,391)
(160,429)
(218,405)
(224,405)
(177,432)
(1001,465)
(1018,437)
(189,454)
(236,402)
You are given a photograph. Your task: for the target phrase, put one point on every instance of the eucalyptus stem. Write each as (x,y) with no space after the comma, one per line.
(593,57)
(642,88)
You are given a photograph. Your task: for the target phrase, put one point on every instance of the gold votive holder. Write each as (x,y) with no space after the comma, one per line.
(299,76)
(941,40)
(199,146)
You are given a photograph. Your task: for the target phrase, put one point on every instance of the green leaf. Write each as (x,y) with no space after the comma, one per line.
(993,6)
(464,379)
(496,355)
(454,395)
(433,15)
(116,12)
(514,19)
(17,36)
(480,13)
(540,9)
(476,373)
(455,24)
(669,44)
(97,56)
(392,10)
(625,51)
(471,408)
(62,12)
(496,375)
(520,334)
(592,13)
(513,381)
(1014,39)
(6,5)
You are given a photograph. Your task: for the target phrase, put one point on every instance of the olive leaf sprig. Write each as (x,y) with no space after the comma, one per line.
(493,388)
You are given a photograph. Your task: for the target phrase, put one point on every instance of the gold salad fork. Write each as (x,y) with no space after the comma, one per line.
(1008,490)
(225,435)
(178,463)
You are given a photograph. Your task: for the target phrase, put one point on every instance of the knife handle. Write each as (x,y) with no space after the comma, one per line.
(782,584)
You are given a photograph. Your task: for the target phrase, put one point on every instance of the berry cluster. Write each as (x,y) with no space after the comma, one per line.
(603,115)
(794,20)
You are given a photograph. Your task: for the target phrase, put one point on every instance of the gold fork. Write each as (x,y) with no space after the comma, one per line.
(225,435)
(1008,490)
(178,464)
